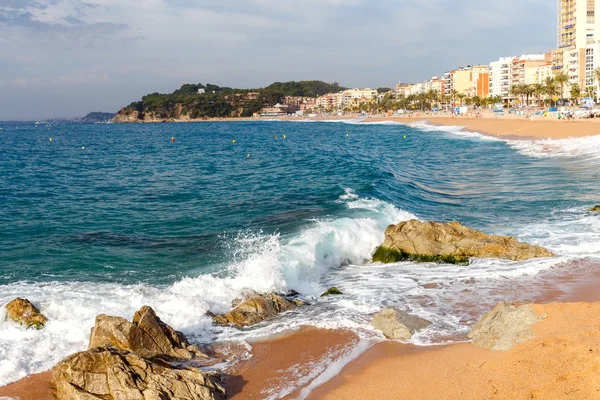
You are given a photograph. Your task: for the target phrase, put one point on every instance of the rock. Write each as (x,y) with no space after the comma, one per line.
(396,324)
(595,209)
(431,286)
(332,291)
(449,243)
(257,309)
(503,327)
(107,373)
(25,313)
(147,336)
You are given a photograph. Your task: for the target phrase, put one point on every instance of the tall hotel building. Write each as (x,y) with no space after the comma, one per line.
(578,37)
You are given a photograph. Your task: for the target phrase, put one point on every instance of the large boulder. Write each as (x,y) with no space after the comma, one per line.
(595,209)
(257,308)
(505,326)
(147,336)
(399,325)
(450,243)
(25,313)
(107,373)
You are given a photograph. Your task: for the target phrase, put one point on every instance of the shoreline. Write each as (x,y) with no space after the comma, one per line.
(561,361)
(505,127)
(294,356)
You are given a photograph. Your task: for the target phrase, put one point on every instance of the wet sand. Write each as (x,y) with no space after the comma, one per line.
(33,387)
(299,355)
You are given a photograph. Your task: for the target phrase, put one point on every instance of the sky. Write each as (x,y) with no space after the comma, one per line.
(65,58)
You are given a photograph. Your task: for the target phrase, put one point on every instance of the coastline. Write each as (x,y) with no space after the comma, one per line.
(391,368)
(507,127)
(560,362)
(275,360)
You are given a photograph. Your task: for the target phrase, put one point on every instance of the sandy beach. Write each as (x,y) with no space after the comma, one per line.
(510,126)
(538,128)
(561,362)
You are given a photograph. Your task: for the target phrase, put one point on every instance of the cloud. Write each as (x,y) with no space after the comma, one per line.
(150,45)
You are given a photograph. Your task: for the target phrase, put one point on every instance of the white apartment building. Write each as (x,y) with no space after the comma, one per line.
(501,77)
(542,73)
(592,61)
(577,23)
(578,35)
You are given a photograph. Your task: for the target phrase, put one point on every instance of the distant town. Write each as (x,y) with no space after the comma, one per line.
(567,75)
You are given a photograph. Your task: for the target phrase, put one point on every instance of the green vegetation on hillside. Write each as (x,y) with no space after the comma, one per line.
(98,117)
(219,101)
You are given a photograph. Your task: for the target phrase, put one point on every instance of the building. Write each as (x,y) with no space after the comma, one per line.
(480,81)
(577,23)
(543,72)
(500,77)
(524,68)
(592,62)
(277,110)
(578,35)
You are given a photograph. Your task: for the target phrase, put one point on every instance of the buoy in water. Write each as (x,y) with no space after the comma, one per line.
(248,156)
(347,135)
(284,136)
(404,137)
(50,139)
(172,140)
(276,137)
(82,147)
(233,141)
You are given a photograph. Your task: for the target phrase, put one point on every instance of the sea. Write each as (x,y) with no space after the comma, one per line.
(186,217)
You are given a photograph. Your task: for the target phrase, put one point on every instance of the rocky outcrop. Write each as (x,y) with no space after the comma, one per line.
(257,308)
(399,325)
(108,373)
(332,291)
(25,313)
(595,209)
(147,336)
(503,327)
(449,243)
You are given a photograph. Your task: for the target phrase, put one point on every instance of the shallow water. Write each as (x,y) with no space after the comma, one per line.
(134,219)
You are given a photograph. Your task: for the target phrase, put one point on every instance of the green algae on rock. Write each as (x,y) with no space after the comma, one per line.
(450,243)
(332,291)
(25,313)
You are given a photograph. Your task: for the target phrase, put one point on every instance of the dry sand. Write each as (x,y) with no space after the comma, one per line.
(561,362)
(539,128)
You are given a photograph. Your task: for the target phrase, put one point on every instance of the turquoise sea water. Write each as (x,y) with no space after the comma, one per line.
(106,218)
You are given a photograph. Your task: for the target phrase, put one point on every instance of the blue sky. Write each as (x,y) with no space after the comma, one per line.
(68,57)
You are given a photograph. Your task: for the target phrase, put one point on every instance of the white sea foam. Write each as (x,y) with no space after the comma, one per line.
(271,263)
(455,130)
(584,147)
(361,121)
(328,252)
